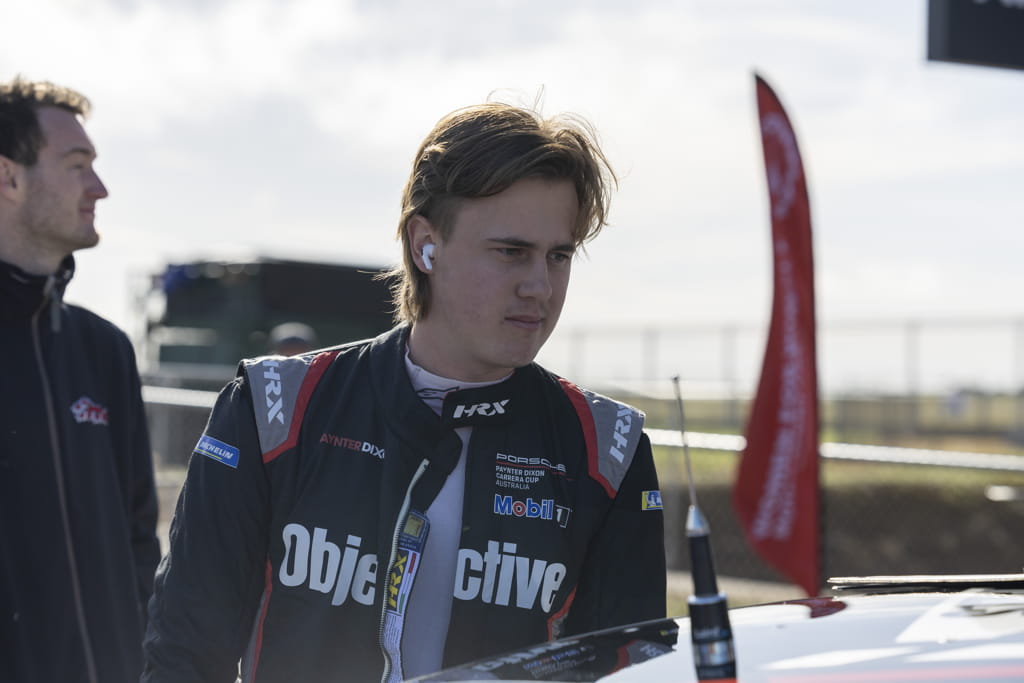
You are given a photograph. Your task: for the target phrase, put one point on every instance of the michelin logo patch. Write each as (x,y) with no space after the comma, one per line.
(218,450)
(651,500)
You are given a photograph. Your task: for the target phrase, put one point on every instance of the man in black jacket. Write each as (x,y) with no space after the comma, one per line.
(379,510)
(78,508)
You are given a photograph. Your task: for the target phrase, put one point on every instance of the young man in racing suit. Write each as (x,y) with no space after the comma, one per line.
(382,509)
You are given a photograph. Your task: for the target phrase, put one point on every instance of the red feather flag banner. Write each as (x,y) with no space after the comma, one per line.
(776,495)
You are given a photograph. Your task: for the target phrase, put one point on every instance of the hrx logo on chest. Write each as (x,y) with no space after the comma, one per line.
(400,579)
(482,409)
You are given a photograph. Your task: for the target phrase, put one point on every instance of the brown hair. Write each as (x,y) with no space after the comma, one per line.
(482,150)
(21,136)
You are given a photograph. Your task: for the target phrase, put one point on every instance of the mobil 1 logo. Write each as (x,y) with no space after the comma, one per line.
(507,506)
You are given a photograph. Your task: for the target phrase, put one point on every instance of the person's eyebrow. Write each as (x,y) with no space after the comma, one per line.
(526,244)
(84,151)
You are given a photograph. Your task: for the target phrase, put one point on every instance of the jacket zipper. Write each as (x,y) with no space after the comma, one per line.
(51,296)
(395,535)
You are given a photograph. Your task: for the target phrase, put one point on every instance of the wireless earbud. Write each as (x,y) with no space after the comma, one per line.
(427,253)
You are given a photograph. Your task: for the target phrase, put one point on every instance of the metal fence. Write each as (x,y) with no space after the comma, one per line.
(907,357)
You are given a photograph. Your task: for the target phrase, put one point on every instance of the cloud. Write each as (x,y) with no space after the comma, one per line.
(289,126)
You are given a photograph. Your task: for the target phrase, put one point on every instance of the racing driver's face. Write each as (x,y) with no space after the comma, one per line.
(498,282)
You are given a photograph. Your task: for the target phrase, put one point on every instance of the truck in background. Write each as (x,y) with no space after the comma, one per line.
(201,317)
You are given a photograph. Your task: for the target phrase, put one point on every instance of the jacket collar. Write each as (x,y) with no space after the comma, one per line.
(23,294)
(410,416)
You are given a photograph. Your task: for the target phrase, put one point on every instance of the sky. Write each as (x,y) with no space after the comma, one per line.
(286,128)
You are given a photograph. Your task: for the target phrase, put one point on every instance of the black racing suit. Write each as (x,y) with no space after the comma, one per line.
(78,507)
(294,532)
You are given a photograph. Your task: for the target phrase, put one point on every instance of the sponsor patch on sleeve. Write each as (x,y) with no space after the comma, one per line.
(651,500)
(218,450)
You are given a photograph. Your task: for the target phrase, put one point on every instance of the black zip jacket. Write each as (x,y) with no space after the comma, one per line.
(78,507)
(297,528)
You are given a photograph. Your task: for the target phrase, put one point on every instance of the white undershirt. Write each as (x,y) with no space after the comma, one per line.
(430,604)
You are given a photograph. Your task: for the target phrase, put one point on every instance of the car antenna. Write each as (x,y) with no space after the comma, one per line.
(714,655)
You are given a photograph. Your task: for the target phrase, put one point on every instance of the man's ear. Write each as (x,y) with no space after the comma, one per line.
(11,178)
(421,233)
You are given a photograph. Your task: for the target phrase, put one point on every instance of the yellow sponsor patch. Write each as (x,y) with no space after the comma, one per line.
(651,500)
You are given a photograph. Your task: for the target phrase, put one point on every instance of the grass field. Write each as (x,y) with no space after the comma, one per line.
(877,519)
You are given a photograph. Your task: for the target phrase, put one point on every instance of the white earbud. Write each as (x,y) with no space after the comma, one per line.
(427,253)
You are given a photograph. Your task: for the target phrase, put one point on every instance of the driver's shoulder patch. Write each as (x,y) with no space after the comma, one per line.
(281,386)
(612,431)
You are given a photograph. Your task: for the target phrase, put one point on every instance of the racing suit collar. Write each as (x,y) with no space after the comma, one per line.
(412,418)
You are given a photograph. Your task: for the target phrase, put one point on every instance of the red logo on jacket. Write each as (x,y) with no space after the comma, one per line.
(87,410)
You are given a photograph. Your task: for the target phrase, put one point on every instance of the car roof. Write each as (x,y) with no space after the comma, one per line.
(872,629)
